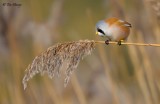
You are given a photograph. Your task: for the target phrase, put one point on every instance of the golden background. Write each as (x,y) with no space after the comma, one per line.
(110,75)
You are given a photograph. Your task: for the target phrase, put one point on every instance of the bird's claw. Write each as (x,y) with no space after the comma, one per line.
(107,42)
(119,43)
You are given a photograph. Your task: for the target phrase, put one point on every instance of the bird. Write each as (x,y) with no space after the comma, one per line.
(114,29)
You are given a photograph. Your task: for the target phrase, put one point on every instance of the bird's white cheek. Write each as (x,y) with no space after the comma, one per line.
(100,34)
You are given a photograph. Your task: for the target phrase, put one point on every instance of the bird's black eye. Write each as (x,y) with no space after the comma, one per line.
(99,30)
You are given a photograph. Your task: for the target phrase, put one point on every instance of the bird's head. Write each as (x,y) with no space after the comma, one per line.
(101,28)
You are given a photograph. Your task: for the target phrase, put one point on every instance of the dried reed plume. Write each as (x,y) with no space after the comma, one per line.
(156,7)
(53,58)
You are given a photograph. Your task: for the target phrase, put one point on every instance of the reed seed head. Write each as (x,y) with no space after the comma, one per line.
(53,58)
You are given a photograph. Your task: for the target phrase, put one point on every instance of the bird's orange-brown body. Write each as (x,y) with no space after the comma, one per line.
(113,28)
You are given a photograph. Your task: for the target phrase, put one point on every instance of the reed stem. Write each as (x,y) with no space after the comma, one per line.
(125,43)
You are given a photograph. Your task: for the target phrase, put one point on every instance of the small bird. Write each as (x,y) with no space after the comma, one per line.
(114,29)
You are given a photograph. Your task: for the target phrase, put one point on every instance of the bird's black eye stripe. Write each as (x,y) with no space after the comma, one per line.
(99,30)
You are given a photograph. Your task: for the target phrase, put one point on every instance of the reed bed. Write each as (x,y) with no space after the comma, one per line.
(126,74)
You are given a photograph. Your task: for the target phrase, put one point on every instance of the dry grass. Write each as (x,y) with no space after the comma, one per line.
(112,75)
(156,7)
(51,61)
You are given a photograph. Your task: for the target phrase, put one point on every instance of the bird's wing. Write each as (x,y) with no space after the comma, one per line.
(124,23)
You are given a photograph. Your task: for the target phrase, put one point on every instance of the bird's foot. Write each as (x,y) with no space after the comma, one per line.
(107,42)
(119,43)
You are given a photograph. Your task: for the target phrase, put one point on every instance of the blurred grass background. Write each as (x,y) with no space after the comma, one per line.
(110,75)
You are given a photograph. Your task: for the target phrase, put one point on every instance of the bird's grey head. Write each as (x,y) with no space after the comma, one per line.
(101,28)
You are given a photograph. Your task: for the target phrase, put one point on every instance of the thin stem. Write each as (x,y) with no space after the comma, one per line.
(137,44)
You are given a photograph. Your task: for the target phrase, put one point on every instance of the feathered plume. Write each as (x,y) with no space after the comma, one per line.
(53,58)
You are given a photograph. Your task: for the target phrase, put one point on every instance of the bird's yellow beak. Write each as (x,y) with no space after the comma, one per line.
(96,33)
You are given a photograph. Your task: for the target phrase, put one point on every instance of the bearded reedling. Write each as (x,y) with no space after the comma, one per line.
(114,29)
